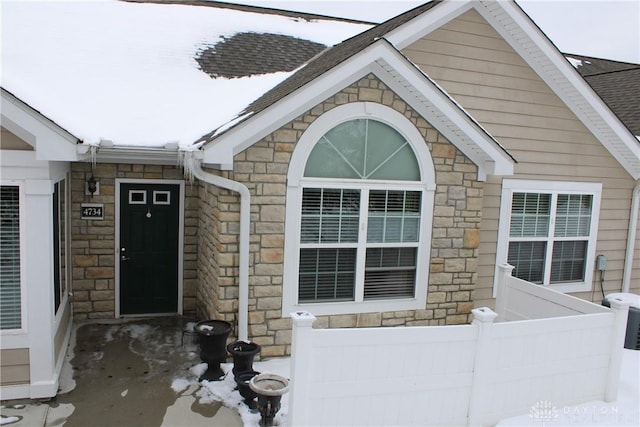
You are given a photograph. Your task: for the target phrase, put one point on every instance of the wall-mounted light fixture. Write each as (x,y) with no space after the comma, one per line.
(93,187)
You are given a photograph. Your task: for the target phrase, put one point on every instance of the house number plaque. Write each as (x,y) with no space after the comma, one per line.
(92,210)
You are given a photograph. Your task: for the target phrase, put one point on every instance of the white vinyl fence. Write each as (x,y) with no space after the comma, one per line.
(544,347)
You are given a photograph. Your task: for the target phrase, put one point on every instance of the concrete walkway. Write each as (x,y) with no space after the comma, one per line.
(123,375)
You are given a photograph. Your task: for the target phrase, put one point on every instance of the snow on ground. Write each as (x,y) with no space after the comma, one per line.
(224,391)
(8,420)
(625,411)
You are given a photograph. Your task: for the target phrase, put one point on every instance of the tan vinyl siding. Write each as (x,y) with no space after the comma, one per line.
(472,62)
(9,141)
(14,366)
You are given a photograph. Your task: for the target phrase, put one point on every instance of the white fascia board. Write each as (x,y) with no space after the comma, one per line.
(444,114)
(49,140)
(429,21)
(545,59)
(247,133)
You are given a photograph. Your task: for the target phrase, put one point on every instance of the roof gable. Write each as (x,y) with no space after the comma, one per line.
(49,140)
(387,64)
(517,29)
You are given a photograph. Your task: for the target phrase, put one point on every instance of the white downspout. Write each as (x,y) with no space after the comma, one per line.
(631,238)
(194,167)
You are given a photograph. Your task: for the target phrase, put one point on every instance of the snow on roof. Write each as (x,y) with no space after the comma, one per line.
(576,62)
(127,72)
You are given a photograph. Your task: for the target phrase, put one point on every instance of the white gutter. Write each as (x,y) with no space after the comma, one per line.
(193,166)
(631,238)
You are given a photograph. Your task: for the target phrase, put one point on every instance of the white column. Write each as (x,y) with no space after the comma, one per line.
(620,309)
(301,348)
(39,280)
(483,318)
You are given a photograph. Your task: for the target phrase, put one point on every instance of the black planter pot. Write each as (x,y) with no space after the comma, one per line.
(212,336)
(269,388)
(268,406)
(243,353)
(242,381)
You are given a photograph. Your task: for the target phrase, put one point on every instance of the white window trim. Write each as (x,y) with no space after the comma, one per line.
(510,186)
(64,294)
(296,182)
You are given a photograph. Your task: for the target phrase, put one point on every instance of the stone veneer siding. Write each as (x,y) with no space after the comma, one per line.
(263,169)
(93,241)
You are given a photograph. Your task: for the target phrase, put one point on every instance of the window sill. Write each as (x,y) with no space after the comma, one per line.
(335,308)
(567,288)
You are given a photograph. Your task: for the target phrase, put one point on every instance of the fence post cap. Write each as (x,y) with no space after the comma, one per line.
(506,267)
(619,303)
(484,314)
(302,318)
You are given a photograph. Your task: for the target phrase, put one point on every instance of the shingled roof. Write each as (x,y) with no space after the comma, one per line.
(248,54)
(326,61)
(617,83)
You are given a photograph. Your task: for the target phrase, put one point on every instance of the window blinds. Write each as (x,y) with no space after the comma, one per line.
(10,304)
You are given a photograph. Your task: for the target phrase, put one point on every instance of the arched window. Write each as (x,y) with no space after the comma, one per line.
(363,149)
(358,239)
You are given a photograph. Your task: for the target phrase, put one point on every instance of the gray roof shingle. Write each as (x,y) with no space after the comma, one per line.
(617,83)
(248,54)
(329,59)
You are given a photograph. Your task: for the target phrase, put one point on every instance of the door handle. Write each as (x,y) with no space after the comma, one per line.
(123,257)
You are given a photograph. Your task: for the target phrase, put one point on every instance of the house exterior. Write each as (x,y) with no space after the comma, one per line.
(379,185)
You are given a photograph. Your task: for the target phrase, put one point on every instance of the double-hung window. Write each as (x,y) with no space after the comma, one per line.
(10,277)
(548,232)
(361,234)
(335,255)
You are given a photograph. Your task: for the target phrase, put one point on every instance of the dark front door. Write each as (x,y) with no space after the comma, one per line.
(149,227)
